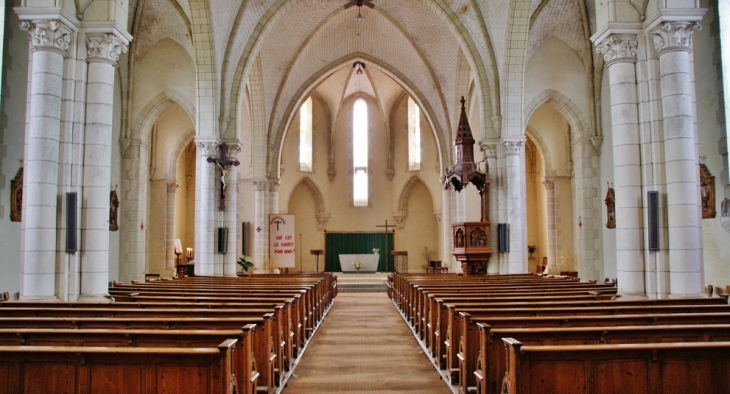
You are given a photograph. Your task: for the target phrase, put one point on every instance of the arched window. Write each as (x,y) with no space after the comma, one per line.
(360,153)
(305,136)
(414,136)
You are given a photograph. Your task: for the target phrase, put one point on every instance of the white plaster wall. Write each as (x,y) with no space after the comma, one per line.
(711,127)
(606,173)
(166,66)
(12,132)
(555,66)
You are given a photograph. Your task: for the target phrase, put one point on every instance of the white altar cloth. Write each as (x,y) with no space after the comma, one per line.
(370,262)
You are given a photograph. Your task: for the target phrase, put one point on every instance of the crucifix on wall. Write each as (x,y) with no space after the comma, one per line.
(224,164)
(387,226)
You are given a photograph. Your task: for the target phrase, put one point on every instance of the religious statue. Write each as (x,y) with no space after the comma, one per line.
(224,164)
(707,193)
(113,208)
(610,208)
(16,197)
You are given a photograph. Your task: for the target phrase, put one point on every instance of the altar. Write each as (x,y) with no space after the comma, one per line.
(370,262)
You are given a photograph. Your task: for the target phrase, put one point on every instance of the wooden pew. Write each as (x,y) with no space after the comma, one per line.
(468,351)
(264,349)
(282,346)
(243,364)
(492,361)
(699,367)
(81,370)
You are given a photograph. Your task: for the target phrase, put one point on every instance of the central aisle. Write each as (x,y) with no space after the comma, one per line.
(364,346)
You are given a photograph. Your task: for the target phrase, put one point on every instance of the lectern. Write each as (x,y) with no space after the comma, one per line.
(316,253)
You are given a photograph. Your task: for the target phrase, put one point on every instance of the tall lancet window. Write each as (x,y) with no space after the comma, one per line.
(360,153)
(414,135)
(305,136)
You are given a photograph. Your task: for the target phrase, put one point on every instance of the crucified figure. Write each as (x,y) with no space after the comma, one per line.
(224,172)
(224,164)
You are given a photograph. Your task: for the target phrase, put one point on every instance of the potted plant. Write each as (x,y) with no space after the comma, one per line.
(531,249)
(245,264)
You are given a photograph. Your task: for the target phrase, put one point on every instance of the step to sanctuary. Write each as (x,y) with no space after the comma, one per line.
(363,282)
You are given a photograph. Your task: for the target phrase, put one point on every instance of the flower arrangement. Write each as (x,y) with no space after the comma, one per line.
(376,250)
(358,265)
(531,249)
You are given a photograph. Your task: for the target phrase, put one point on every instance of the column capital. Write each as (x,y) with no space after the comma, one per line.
(274,185)
(512,147)
(674,36)
(618,48)
(234,147)
(549,183)
(48,35)
(489,147)
(206,147)
(172,187)
(259,185)
(104,48)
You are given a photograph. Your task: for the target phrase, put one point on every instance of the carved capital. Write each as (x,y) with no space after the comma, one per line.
(674,36)
(274,185)
(48,35)
(331,174)
(259,185)
(549,184)
(618,48)
(489,148)
(172,187)
(234,148)
(512,147)
(206,148)
(104,48)
(322,219)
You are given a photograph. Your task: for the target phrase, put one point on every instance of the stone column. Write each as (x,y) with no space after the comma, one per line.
(261,227)
(230,215)
(170,230)
(490,158)
(206,205)
(515,179)
(49,41)
(552,231)
(619,51)
(673,43)
(274,195)
(132,225)
(102,53)
(447,246)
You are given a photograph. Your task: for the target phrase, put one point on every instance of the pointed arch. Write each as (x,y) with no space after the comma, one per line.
(405,194)
(149,114)
(568,109)
(316,193)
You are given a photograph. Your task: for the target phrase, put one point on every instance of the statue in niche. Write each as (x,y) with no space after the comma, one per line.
(113,208)
(478,238)
(707,193)
(459,239)
(16,197)
(610,208)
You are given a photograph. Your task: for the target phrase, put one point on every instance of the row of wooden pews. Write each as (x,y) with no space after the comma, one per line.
(191,335)
(519,334)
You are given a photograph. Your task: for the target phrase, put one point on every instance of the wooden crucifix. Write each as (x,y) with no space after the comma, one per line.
(224,164)
(387,226)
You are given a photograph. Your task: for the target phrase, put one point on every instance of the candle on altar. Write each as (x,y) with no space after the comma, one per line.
(189,253)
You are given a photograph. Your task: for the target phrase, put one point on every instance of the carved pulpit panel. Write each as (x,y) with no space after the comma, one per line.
(707,193)
(16,197)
